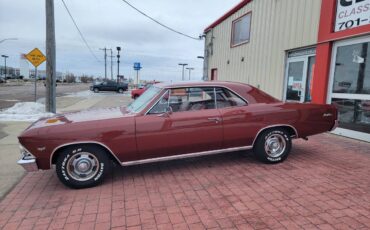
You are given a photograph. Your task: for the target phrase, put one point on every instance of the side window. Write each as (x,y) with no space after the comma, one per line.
(225,98)
(192,99)
(186,99)
(161,105)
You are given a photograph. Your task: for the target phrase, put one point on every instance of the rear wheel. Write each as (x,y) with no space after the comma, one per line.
(135,97)
(273,145)
(120,90)
(82,166)
(96,90)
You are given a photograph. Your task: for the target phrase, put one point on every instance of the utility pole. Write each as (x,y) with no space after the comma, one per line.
(105,62)
(50,104)
(190,69)
(183,70)
(118,56)
(5,57)
(111,64)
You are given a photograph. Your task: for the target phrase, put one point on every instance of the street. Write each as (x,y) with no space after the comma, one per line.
(12,93)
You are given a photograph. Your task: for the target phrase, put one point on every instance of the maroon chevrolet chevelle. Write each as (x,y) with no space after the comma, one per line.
(170,121)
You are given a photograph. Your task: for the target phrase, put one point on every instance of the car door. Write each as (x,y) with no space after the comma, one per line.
(112,86)
(104,86)
(241,121)
(193,124)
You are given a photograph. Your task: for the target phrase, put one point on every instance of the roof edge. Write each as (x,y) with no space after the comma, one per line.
(227,14)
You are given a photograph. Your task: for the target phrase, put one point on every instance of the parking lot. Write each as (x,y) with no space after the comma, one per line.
(324,184)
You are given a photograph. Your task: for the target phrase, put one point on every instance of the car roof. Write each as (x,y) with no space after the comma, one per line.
(228,84)
(248,92)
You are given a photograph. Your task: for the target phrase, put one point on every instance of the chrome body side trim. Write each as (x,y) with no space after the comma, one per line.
(79,143)
(272,126)
(184,156)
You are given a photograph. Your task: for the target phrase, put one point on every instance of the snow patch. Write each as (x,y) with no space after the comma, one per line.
(24,111)
(90,94)
(84,94)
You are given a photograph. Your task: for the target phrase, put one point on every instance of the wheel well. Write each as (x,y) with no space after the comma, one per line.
(292,131)
(59,150)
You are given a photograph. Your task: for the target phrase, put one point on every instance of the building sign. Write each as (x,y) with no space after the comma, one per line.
(137,66)
(305,52)
(352,13)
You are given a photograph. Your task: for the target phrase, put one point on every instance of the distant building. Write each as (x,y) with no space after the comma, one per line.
(24,69)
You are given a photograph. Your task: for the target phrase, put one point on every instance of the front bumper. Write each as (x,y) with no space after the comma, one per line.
(27,161)
(28,164)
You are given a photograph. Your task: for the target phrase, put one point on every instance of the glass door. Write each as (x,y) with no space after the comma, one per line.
(296,76)
(350,87)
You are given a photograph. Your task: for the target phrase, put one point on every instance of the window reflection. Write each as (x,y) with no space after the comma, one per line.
(353,114)
(352,69)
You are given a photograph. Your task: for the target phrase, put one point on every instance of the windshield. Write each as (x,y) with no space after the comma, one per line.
(141,102)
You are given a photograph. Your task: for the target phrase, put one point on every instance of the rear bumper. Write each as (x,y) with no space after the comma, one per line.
(28,164)
(336,123)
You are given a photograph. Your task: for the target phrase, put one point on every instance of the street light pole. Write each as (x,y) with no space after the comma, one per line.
(5,57)
(118,56)
(190,69)
(183,69)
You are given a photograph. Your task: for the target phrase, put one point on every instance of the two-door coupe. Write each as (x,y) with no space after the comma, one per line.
(170,121)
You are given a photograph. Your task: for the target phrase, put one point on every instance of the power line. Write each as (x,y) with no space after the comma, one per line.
(79,31)
(159,23)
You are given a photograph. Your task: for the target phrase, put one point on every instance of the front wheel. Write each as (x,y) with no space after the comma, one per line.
(82,166)
(120,90)
(273,146)
(96,90)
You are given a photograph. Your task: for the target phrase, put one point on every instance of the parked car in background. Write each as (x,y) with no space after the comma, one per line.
(170,121)
(109,85)
(135,93)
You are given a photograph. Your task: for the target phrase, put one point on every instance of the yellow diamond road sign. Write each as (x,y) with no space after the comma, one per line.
(36,57)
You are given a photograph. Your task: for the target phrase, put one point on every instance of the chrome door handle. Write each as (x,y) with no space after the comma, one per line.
(215,119)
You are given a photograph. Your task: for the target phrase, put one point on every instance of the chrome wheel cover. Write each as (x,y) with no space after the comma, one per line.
(82,166)
(275,145)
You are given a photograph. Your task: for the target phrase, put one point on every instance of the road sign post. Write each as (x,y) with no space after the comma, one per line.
(36,57)
(35,84)
(137,67)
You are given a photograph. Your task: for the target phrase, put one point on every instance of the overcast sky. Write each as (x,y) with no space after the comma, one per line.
(111,23)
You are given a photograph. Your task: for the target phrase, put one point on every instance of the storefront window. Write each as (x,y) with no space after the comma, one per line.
(353,114)
(310,71)
(352,69)
(295,80)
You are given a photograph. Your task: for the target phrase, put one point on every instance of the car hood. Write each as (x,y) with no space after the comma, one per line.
(82,116)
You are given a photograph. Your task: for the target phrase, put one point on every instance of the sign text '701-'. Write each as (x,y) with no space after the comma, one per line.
(352,13)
